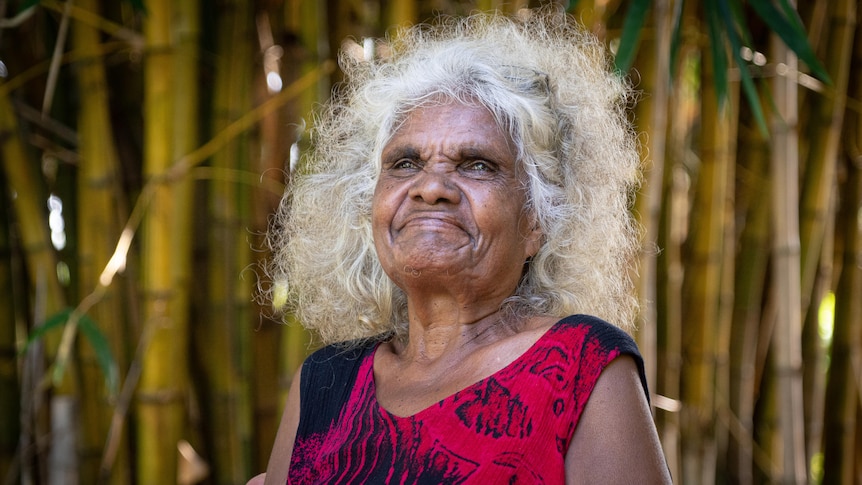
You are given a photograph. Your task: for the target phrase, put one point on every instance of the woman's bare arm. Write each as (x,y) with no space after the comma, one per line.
(279,459)
(616,439)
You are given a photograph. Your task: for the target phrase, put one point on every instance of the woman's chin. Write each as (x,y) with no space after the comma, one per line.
(432,269)
(426,260)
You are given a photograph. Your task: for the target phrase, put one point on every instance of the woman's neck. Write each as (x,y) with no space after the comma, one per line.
(441,327)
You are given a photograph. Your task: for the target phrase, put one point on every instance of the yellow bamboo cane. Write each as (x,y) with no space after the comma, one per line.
(704,330)
(162,393)
(654,62)
(98,217)
(823,134)
(226,351)
(749,283)
(186,28)
(29,199)
(844,387)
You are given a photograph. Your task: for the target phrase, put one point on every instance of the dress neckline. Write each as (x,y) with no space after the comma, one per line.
(526,353)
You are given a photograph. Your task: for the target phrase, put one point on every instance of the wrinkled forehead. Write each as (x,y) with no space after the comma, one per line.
(404,112)
(454,131)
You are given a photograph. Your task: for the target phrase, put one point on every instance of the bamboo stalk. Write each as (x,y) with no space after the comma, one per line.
(592,14)
(818,213)
(702,286)
(227,352)
(749,283)
(162,394)
(89,17)
(767,422)
(30,197)
(186,29)
(309,23)
(823,133)
(726,296)
(98,228)
(815,355)
(840,427)
(41,263)
(274,152)
(402,13)
(673,232)
(844,386)
(10,395)
(654,63)
(669,306)
(787,336)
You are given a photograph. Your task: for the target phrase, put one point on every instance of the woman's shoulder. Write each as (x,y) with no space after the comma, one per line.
(334,366)
(590,340)
(593,328)
(327,379)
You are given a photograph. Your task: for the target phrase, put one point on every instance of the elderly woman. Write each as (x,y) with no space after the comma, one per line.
(460,236)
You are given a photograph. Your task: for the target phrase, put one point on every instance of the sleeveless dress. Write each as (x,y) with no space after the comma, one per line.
(511,427)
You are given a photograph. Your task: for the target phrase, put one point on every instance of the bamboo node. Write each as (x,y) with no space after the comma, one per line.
(162,396)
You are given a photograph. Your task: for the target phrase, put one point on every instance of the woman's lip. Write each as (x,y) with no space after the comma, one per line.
(431,220)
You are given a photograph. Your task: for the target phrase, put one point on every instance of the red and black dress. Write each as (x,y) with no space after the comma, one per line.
(511,427)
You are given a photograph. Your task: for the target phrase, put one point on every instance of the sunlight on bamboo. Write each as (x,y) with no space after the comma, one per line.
(279,295)
(826,318)
(272,54)
(56,222)
(666,404)
(117,263)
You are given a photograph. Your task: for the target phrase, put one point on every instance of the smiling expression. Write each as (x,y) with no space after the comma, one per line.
(450,200)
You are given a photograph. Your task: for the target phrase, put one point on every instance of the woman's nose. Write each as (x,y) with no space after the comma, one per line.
(434,188)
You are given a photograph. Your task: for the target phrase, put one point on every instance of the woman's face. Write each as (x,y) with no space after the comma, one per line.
(450,202)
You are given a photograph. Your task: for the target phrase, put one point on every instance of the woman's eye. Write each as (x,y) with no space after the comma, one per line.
(404,164)
(479,166)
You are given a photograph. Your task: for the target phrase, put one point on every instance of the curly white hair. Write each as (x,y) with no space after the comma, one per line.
(550,85)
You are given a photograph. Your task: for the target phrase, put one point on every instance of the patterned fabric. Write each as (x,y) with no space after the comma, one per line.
(511,427)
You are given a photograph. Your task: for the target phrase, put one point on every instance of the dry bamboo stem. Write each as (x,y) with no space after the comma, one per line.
(785,276)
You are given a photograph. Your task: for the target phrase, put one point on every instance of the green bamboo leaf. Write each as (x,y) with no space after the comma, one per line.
(748,87)
(91,333)
(739,15)
(792,15)
(675,36)
(27,4)
(716,42)
(632,27)
(54,321)
(792,33)
(104,357)
(138,6)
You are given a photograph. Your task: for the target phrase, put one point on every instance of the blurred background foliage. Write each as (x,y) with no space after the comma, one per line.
(144,145)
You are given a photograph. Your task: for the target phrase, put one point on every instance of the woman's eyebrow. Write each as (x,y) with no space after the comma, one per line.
(471,152)
(484,153)
(399,151)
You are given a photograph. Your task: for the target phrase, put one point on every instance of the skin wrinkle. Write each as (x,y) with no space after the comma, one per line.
(412,272)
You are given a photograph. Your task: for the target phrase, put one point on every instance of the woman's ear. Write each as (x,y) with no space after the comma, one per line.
(534,238)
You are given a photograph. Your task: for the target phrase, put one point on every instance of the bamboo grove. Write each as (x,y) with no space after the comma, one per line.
(144,144)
